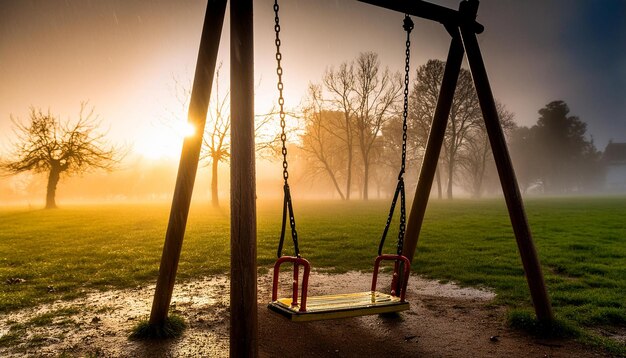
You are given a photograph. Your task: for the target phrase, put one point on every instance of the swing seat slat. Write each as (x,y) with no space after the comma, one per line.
(340,306)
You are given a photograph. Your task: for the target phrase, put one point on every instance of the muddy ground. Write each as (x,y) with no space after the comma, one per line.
(444,321)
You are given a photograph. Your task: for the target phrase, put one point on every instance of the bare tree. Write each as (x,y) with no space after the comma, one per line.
(45,145)
(216,138)
(215,143)
(326,152)
(465,112)
(476,156)
(365,96)
(388,157)
(376,93)
(340,84)
(422,104)
(465,116)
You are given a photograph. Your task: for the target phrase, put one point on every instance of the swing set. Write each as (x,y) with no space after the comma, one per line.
(351,304)
(462,26)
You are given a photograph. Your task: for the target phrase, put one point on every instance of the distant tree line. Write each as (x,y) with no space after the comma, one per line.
(344,121)
(353,135)
(352,138)
(554,156)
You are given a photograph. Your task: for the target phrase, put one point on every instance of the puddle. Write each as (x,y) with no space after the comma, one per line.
(99,323)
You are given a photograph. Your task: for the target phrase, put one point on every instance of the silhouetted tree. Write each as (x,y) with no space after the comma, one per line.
(327,152)
(216,138)
(557,152)
(215,143)
(524,155)
(465,114)
(476,157)
(388,156)
(565,151)
(365,95)
(340,85)
(45,145)
(376,93)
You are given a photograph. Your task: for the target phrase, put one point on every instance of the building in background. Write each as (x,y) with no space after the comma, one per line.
(614,159)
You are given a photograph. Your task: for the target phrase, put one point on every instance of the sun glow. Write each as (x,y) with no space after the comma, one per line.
(187,129)
(165,141)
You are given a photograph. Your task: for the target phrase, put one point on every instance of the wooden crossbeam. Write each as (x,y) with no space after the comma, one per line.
(446,16)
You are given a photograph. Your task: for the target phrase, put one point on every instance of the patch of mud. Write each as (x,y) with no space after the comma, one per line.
(99,324)
(445,320)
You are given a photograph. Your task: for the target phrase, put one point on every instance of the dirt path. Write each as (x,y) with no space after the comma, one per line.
(444,321)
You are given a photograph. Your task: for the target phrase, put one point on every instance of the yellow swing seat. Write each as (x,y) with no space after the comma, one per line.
(315,308)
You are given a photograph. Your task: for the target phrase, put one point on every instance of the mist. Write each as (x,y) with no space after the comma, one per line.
(123,55)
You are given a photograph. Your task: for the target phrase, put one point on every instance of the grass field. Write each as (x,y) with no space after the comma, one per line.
(581,244)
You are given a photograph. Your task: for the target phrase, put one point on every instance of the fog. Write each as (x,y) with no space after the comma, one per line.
(123,56)
(140,180)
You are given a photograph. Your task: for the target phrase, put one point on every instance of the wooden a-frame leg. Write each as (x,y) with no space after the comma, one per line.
(188,166)
(243,266)
(508,180)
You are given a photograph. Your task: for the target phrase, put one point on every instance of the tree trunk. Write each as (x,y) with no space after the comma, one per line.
(480,177)
(214,195)
(366,173)
(53,180)
(439,191)
(482,167)
(450,177)
(349,175)
(478,187)
(334,180)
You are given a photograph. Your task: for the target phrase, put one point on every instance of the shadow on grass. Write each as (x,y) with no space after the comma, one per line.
(562,329)
(526,321)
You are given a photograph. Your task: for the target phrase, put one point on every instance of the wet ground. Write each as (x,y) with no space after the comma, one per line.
(444,321)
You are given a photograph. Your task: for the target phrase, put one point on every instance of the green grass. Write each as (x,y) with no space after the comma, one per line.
(98,247)
(11,338)
(46,319)
(173,327)
(581,244)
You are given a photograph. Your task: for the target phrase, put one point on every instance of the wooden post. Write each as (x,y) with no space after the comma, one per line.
(243,277)
(198,107)
(433,147)
(508,181)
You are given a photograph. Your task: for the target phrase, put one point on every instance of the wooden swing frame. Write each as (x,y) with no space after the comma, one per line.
(460,24)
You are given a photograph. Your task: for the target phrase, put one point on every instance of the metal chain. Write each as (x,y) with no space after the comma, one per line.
(281,100)
(402,228)
(400,192)
(287,203)
(408,26)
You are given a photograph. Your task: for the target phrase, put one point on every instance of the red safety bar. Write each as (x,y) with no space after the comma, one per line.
(394,281)
(297,261)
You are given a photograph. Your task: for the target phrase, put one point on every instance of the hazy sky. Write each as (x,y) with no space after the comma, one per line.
(123,56)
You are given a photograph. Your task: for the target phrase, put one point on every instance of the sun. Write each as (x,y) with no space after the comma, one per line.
(164,141)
